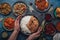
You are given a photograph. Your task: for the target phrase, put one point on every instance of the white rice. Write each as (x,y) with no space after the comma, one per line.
(23,23)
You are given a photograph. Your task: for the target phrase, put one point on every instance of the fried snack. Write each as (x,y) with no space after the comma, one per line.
(19,8)
(58,12)
(5,8)
(33,24)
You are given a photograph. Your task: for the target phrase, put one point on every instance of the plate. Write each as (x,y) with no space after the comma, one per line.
(25,32)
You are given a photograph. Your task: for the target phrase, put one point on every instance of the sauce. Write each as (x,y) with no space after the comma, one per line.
(48,17)
(49,30)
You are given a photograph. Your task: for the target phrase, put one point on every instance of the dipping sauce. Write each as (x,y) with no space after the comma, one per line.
(49,29)
(48,17)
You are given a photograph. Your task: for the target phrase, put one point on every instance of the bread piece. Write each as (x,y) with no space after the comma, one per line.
(33,24)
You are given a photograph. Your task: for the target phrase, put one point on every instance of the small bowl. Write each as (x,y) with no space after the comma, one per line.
(20,2)
(10,7)
(48,17)
(55,14)
(43,10)
(51,31)
(4,35)
(5,27)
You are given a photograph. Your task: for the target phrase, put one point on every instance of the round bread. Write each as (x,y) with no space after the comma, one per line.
(29,24)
